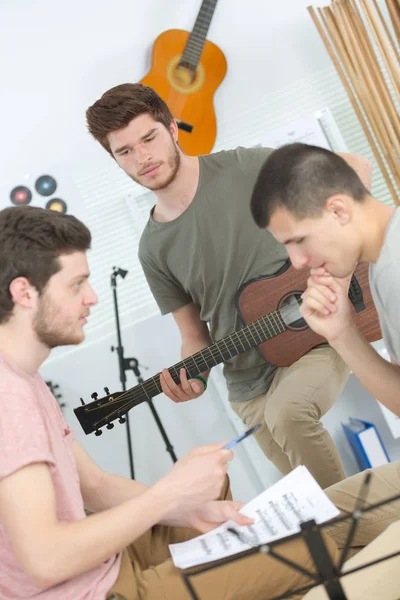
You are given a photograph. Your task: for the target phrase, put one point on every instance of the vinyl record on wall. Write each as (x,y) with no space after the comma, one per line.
(20,195)
(57,205)
(45,185)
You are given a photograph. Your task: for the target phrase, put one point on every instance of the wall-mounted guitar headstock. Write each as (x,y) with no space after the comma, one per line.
(54,388)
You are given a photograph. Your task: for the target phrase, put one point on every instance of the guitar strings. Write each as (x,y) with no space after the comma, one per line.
(138,394)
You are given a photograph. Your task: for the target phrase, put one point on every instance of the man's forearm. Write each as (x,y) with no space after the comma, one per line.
(361,165)
(378,376)
(115,490)
(111,491)
(69,549)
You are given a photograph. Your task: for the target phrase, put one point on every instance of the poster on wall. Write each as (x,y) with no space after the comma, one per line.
(318,129)
(48,187)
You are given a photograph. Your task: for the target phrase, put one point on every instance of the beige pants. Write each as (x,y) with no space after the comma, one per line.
(290,412)
(147,572)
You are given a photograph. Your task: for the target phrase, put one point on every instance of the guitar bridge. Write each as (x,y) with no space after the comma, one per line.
(356,295)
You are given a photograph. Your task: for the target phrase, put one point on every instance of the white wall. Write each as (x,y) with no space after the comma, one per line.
(56,59)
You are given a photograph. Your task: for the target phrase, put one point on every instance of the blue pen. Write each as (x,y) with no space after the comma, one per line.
(242,436)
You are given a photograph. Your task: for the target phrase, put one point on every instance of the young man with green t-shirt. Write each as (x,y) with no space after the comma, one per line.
(198,247)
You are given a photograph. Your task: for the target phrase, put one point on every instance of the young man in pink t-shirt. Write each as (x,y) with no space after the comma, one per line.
(49,548)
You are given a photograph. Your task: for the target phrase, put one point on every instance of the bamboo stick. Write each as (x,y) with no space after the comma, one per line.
(386,29)
(352,96)
(386,51)
(343,30)
(394,12)
(368,93)
(365,85)
(368,62)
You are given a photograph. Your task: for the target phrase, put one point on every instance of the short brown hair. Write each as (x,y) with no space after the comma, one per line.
(31,240)
(118,106)
(301,178)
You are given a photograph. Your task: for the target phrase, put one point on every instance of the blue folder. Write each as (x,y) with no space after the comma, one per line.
(366,443)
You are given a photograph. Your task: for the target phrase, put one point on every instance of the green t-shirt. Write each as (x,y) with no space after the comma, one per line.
(209,251)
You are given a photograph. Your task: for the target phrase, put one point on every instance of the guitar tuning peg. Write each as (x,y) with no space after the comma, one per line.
(107,390)
(82,402)
(122,420)
(94,395)
(110,425)
(98,432)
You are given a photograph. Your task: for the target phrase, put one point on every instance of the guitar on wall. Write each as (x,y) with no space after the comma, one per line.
(186,70)
(270,307)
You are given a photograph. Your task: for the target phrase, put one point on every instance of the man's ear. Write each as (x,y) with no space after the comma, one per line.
(173,128)
(339,206)
(22,292)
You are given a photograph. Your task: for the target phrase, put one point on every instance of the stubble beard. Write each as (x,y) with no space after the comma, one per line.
(49,330)
(173,162)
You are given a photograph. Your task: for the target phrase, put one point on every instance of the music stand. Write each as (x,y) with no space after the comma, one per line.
(326,572)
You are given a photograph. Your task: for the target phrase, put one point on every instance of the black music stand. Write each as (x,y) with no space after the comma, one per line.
(326,572)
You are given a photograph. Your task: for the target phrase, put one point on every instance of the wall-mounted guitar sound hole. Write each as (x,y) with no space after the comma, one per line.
(181,82)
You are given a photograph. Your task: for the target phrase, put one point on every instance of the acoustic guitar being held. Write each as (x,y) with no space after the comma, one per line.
(186,71)
(270,307)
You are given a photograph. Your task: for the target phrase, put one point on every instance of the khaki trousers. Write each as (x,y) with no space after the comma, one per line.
(290,412)
(147,572)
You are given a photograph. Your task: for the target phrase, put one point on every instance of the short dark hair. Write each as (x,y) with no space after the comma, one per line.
(31,240)
(118,106)
(301,178)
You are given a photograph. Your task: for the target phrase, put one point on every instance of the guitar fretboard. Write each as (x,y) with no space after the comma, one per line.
(238,342)
(195,44)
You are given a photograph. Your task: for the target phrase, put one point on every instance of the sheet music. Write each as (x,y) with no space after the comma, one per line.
(277,513)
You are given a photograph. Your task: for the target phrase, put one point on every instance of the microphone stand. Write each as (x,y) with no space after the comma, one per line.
(132,364)
(121,360)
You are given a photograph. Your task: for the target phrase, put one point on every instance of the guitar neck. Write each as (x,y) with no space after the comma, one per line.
(238,342)
(195,44)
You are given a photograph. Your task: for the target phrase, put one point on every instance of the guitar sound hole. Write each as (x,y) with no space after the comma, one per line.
(289,308)
(185,75)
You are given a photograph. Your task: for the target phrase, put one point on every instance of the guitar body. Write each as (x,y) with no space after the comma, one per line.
(189,101)
(265,295)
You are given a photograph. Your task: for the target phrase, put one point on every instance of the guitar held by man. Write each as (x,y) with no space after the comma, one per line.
(270,307)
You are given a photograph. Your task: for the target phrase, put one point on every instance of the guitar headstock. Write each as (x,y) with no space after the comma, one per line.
(55,390)
(101,412)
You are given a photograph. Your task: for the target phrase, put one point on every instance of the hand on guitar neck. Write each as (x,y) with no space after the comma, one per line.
(187,389)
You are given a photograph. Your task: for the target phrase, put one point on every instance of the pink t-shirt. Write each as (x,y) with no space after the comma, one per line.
(32,430)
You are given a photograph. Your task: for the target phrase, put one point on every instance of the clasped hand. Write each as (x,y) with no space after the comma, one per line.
(326,307)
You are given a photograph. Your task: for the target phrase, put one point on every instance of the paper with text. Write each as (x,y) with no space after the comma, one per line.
(277,513)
